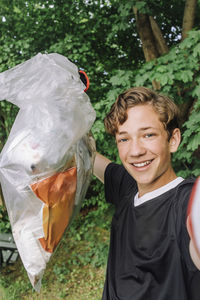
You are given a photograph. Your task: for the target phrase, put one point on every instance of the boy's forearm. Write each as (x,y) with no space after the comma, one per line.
(100,165)
(193,223)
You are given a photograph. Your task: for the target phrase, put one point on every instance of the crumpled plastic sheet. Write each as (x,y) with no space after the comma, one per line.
(47,161)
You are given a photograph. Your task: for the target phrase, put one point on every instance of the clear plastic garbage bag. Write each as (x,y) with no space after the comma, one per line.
(47,161)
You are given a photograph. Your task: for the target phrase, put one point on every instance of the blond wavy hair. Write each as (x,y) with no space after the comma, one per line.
(167,110)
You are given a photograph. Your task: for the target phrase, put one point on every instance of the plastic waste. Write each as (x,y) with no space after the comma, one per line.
(47,161)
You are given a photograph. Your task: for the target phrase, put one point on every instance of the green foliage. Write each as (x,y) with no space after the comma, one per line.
(189,151)
(8,112)
(142,7)
(4,221)
(89,229)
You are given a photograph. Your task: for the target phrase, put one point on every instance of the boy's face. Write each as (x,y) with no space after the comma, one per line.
(144,148)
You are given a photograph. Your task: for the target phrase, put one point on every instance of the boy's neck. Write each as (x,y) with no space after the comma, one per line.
(158,183)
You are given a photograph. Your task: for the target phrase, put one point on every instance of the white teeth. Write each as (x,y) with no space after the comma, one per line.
(142,164)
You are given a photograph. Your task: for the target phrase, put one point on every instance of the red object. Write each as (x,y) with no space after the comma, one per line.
(84,79)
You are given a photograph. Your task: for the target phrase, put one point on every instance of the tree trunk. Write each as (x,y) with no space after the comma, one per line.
(153,43)
(160,41)
(189,16)
(146,35)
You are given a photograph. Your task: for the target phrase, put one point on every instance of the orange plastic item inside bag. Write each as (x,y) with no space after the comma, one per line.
(58,194)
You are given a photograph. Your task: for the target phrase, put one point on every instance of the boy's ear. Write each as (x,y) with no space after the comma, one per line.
(175,140)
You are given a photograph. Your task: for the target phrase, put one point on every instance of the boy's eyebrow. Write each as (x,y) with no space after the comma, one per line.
(146,128)
(122,132)
(140,129)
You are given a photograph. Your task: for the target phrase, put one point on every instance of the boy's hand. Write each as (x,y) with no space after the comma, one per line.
(193,222)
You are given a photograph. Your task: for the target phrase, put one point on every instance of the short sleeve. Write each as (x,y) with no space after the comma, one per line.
(118,183)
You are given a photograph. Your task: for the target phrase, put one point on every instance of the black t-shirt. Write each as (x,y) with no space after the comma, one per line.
(149,245)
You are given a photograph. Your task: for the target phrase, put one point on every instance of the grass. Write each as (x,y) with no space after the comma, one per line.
(76,271)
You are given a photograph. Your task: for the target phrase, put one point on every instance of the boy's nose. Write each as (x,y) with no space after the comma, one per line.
(136,148)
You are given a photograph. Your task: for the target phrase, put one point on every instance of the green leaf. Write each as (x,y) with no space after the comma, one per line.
(194,142)
(196,50)
(16,10)
(162,69)
(142,7)
(186,76)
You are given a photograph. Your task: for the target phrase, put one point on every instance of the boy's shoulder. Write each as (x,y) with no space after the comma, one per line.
(186,184)
(118,174)
(116,170)
(118,183)
(183,191)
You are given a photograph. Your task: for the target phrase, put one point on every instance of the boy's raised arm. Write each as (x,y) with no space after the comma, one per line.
(193,223)
(100,165)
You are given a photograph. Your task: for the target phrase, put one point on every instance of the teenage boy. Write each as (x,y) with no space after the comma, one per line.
(151,255)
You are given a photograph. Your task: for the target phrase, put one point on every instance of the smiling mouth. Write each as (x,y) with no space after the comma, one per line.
(142,164)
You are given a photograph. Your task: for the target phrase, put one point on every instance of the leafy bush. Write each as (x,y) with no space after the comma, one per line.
(4,221)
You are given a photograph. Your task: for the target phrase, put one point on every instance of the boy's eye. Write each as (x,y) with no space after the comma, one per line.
(122,140)
(148,135)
